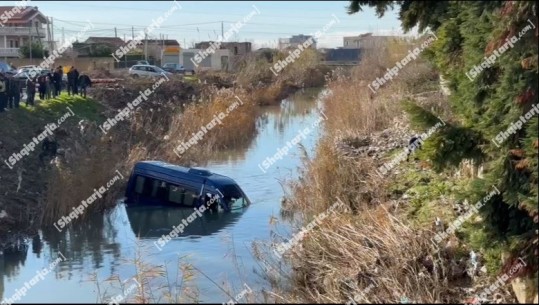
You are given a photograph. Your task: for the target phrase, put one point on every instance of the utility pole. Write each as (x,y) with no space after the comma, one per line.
(52,30)
(132,33)
(146,46)
(115,33)
(162,47)
(49,33)
(30,39)
(222,31)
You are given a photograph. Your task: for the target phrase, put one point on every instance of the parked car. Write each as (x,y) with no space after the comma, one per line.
(23,73)
(137,71)
(177,68)
(27,68)
(143,62)
(6,68)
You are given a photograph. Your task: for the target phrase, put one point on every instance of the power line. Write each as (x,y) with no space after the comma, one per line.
(142,26)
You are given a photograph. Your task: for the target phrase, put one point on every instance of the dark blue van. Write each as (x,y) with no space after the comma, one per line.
(161,183)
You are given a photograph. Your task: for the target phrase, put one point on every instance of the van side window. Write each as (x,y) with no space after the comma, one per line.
(148,186)
(176,194)
(165,192)
(162,191)
(155,185)
(190,198)
(139,184)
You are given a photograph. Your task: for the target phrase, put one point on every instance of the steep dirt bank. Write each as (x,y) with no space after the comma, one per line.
(22,176)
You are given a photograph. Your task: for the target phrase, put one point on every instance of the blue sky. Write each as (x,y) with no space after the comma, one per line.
(201,20)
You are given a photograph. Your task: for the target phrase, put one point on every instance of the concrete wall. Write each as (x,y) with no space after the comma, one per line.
(242,48)
(353,42)
(212,62)
(81,63)
(171,58)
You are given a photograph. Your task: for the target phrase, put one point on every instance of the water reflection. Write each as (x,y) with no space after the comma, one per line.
(12,260)
(89,240)
(298,106)
(153,222)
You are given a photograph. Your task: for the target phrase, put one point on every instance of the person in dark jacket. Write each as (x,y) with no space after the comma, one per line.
(14,89)
(42,82)
(72,79)
(30,91)
(9,100)
(57,82)
(84,82)
(61,71)
(3,92)
(49,148)
(48,86)
(75,84)
(414,143)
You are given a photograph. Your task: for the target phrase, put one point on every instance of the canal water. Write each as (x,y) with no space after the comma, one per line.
(91,261)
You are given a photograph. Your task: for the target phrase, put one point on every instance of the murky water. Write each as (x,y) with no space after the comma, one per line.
(59,267)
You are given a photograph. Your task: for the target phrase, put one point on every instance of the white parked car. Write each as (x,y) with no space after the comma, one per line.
(137,71)
(27,68)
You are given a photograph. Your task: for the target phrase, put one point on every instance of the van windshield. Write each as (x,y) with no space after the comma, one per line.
(233,196)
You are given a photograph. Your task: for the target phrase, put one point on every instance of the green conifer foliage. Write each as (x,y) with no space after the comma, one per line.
(486,99)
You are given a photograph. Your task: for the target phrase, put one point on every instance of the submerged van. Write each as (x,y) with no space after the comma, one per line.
(161,183)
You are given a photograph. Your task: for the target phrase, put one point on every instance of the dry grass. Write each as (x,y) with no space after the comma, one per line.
(238,126)
(150,283)
(364,250)
(267,88)
(86,169)
(273,93)
(348,254)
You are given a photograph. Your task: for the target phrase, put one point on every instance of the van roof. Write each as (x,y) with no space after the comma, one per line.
(176,173)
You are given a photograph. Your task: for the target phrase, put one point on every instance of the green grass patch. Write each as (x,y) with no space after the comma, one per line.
(53,109)
(191,78)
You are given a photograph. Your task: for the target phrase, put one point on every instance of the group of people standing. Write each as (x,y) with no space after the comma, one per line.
(48,85)
(10,92)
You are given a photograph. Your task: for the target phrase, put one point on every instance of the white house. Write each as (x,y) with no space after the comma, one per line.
(18,26)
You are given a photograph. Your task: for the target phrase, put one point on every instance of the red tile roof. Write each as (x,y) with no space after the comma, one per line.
(23,16)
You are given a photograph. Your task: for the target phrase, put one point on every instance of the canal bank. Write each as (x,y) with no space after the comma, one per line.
(220,248)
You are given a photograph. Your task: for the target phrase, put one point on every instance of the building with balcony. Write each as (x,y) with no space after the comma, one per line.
(18,27)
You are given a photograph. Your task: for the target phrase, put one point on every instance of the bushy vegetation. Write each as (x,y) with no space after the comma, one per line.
(350,252)
(35,49)
(468,34)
